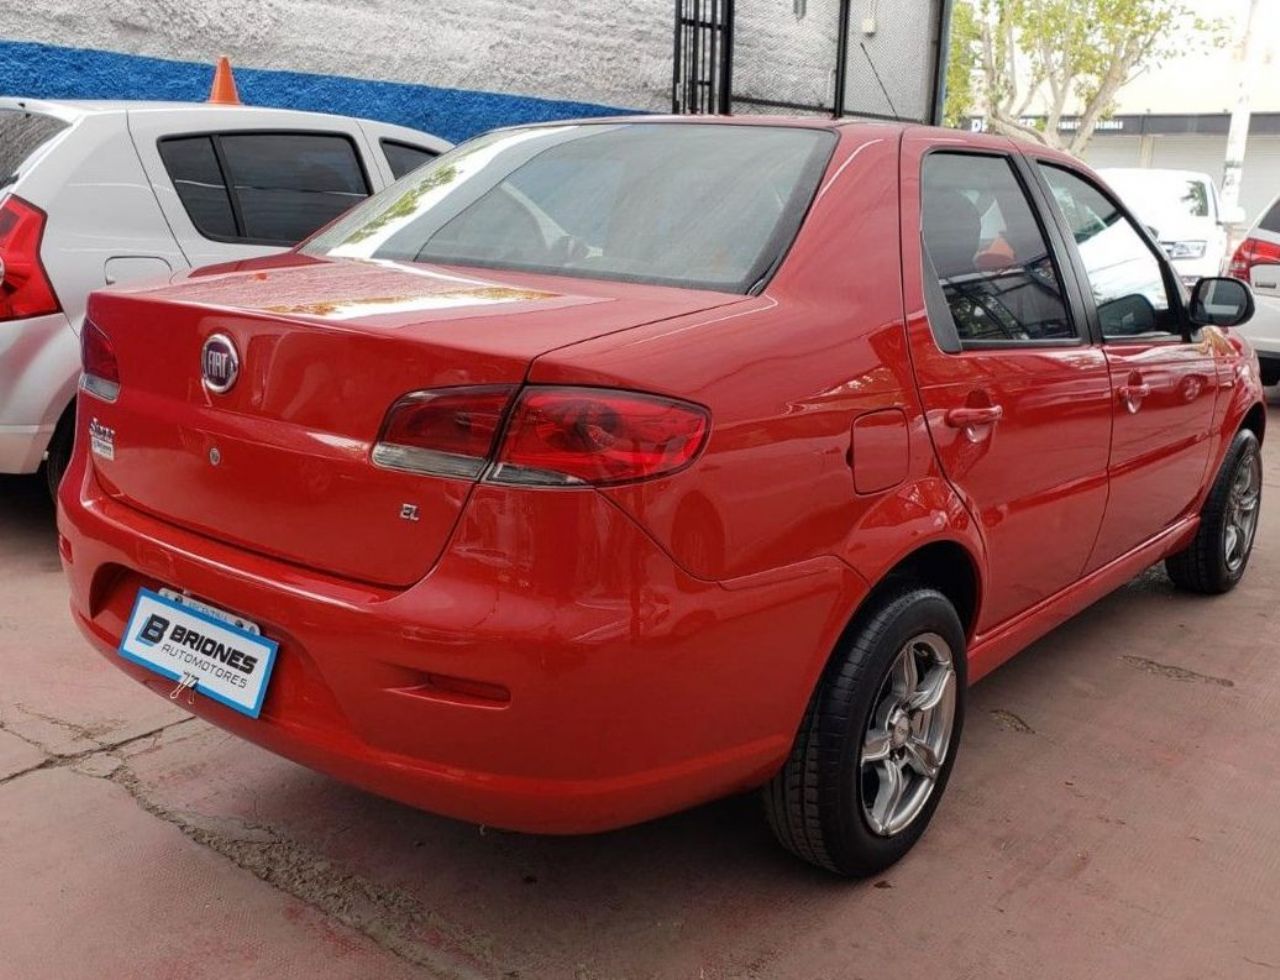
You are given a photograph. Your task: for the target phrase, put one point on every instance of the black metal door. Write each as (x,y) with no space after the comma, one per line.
(703,78)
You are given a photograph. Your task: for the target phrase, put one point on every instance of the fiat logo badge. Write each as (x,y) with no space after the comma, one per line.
(219,363)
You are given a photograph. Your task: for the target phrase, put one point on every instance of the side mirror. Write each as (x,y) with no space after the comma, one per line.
(1221,302)
(1233,215)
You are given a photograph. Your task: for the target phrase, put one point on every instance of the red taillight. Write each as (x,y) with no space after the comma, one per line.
(597,436)
(449,431)
(25,290)
(1253,251)
(554,436)
(98,361)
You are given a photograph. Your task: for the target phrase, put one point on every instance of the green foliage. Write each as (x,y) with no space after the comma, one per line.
(962,64)
(1051,56)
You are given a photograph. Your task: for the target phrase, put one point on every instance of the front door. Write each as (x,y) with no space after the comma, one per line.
(1164,379)
(1017,396)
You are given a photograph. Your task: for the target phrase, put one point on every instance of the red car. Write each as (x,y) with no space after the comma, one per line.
(597,470)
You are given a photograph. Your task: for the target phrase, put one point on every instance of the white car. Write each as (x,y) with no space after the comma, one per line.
(96,193)
(1183,212)
(1257,262)
(1263,333)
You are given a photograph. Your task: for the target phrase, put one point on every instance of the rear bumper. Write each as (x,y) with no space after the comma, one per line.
(634,690)
(22,447)
(39,367)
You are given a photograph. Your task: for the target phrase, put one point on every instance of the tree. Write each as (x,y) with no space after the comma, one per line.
(1058,55)
(962,64)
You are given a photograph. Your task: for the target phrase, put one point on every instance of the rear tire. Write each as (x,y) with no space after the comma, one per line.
(835,802)
(58,455)
(1219,553)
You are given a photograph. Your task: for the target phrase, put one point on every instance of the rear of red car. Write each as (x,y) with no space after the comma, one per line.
(342,454)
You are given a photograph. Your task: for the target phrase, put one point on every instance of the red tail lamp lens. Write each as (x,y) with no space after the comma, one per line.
(1253,251)
(98,359)
(598,436)
(25,290)
(448,431)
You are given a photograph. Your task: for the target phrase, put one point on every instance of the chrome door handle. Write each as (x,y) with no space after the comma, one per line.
(1135,392)
(1132,395)
(963,418)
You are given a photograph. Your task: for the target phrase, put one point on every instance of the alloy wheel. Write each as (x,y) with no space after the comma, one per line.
(1242,511)
(908,735)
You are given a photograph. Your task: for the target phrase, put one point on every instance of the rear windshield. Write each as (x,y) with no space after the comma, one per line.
(21,134)
(1271,220)
(696,205)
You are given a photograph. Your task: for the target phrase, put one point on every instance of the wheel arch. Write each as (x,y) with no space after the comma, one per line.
(1255,420)
(945,565)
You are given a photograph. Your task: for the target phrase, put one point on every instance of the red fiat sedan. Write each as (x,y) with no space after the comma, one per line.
(597,470)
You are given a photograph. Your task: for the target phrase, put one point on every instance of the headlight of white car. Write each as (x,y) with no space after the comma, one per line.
(1185,250)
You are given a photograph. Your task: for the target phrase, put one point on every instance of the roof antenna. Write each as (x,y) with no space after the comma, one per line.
(224,91)
(863,46)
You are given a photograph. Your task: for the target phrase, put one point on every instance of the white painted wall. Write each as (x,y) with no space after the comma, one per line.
(611,52)
(615,52)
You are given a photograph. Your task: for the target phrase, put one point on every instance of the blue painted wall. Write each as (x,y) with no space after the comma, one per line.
(53,72)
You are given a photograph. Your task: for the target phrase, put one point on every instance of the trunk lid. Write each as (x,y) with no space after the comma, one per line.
(280,463)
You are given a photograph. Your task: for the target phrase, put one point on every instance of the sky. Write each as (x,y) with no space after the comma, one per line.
(1208,82)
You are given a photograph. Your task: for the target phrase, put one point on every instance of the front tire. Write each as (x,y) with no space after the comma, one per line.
(1219,553)
(878,740)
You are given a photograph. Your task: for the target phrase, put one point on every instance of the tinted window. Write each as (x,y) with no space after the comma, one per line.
(289,184)
(985,247)
(1271,220)
(193,168)
(403,158)
(1126,278)
(697,205)
(21,134)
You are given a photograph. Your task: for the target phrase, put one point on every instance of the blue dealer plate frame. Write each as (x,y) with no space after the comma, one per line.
(255,640)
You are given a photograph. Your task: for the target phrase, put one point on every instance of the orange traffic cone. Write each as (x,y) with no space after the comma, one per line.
(224,84)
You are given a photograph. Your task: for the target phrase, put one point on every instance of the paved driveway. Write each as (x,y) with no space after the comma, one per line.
(1112,813)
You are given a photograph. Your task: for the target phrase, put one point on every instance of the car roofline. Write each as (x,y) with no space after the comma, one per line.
(70,110)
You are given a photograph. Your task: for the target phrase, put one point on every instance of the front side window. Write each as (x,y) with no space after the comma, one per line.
(1125,277)
(986,250)
(264,188)
(689,204)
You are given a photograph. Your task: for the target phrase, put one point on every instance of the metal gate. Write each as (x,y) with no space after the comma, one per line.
(878,58)
(703,76)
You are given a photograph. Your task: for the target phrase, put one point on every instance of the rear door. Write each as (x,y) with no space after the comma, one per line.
(231,190)
(1164,377)
(1016,392)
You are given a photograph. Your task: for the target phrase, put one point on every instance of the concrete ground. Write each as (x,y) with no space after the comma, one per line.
(1113,812)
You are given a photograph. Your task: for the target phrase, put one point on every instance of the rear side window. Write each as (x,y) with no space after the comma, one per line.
(403,158)
(193,168)
(21,134)
(1271,220)
(996,280)
(264,188)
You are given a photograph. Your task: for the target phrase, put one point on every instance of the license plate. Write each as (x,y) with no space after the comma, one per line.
(209,650)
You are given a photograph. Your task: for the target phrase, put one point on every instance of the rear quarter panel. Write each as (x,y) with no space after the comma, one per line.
(785,375)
